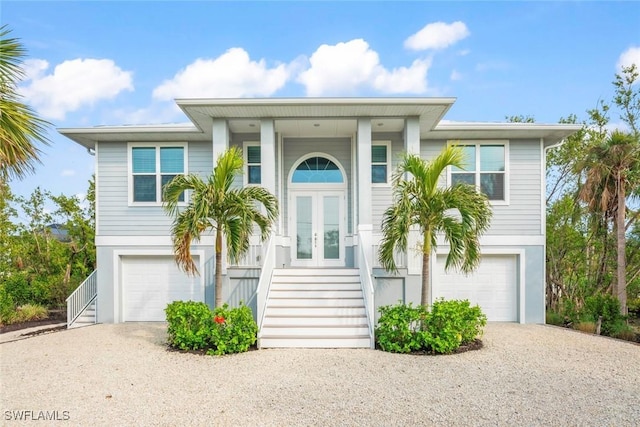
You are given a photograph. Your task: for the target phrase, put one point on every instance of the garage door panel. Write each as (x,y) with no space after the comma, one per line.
(149,283)
(493,286)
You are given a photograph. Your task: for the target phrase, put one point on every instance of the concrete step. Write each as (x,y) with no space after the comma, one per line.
(332,286)
(316,302)
(317,342)
(302,312)
(311,272)
(305,280)
(311,331)
(333,321)
(311,294)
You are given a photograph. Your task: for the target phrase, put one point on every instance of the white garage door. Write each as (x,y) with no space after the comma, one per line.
(149,283)
(493,286)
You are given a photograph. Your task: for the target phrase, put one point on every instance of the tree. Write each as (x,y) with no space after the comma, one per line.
(609,171)
(216,205)
(419,202)
(20,128)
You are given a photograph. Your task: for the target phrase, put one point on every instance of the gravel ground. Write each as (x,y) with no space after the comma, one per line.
(123,375)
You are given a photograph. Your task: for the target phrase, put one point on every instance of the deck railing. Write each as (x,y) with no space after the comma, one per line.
(82,297)
(368,291)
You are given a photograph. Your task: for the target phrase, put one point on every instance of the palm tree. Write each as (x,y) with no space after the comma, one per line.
(420,202)
(611,167)
(215,205)
(20,127)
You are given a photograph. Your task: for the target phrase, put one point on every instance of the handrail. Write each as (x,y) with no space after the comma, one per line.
(265,280)
(368,291)
(82,297)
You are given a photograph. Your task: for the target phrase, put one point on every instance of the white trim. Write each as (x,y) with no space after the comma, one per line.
(157,173)
(117,285)
(354,186)
(280,173)
(388,164)
(507,161)
(519,253)
(95,188)
(245,166)
(142,241)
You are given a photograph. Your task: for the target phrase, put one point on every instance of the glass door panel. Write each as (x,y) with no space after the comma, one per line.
(304,228)
(331,227)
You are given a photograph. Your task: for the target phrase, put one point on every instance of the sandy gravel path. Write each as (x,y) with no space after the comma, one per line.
(529,375)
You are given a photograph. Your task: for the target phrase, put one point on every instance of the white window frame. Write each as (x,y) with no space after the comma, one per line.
(245,155)
(388,163)
(158,174)
(507,174)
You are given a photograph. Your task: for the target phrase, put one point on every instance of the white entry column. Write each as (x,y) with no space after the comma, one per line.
(412,146)
(365,218)
(268,154)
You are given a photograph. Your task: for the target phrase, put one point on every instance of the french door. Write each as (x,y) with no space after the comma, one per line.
(317,228)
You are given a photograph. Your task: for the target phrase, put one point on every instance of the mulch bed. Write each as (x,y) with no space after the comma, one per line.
(472,346)
(54,317)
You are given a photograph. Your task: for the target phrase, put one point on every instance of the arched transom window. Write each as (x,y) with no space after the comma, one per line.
(317,170)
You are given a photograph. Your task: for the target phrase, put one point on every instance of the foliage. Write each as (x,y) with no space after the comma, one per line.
(400,328)
(453,323)
(553,318)
(189,325)
(233,330)
(193,326)
(419,202)
(28,312)
(216,205)
(7,306)
(443,329)
(21,130)
(608,307)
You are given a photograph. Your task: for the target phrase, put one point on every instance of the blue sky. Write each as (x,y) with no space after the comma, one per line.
(96,63)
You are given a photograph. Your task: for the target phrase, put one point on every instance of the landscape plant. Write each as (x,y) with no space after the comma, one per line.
(439,329)
(194,326)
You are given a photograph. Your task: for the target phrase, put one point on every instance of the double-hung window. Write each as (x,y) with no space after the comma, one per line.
(380,154)
(152,167)
(486,168)
(252,162)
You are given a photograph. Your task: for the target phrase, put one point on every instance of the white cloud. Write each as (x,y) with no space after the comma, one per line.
(629,56)
(347,66)
(68,172)
(231,75)
(455,75)
(72,85)
(437,35)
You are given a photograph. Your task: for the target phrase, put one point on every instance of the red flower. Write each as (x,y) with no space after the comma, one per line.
(218,319)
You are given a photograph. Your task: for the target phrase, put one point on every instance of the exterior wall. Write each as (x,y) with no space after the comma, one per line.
(381,195)
(116,217)
(523,214)
(405,288)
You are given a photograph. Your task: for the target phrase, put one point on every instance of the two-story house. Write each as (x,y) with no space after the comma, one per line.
(317,281)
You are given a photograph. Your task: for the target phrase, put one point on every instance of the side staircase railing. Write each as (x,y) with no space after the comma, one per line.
(368,290)
(81,298)
(264,283)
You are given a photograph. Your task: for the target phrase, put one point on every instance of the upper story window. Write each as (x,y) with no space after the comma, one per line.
(380,154)
(152,167)
(486,167)
(252,163)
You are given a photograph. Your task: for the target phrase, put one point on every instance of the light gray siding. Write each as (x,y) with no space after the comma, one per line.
(381,196)
(523,214)
(117,218)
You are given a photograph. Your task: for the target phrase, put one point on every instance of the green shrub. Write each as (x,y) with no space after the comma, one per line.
(7,306)
(553,318)
(399,328)
(608,307)
(18,288)
(189,325)
(450,324)
(233,330)
(624,332)
(29,312)
(453,323)
(193,326)
(633,305)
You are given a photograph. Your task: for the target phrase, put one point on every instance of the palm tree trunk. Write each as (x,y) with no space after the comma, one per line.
(426,277)
(218,287)
(621,285)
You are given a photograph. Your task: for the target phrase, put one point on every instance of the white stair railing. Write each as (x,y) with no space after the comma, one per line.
(82,297)
(368,291)
(264,283)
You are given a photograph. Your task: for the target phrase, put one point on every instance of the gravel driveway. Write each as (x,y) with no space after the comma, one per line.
(123,375)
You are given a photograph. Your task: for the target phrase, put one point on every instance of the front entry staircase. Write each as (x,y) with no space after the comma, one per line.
(315,308)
